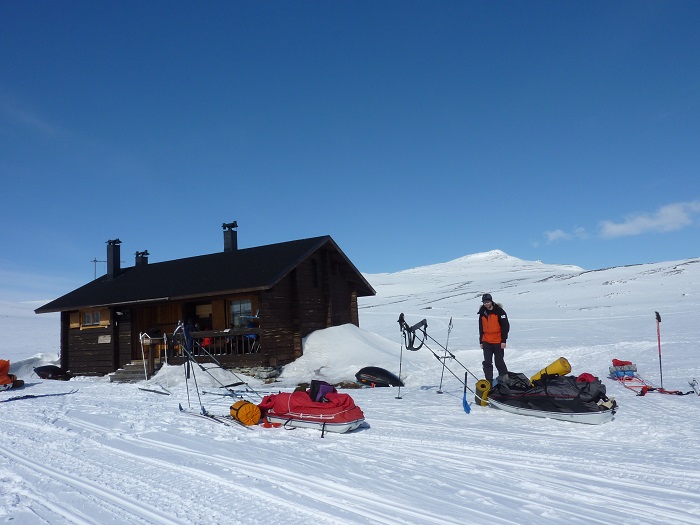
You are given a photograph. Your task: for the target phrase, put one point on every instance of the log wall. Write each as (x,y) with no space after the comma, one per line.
(317,294)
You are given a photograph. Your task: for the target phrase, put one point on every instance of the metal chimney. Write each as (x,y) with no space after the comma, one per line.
(142,258)
(113,258)
(230,236)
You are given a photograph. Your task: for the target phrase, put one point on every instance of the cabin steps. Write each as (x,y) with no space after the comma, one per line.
(131,373)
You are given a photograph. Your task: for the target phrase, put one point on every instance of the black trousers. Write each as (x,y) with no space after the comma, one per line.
(493,352)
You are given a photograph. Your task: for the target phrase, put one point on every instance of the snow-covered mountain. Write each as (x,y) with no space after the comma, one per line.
(112,453)
(592,315)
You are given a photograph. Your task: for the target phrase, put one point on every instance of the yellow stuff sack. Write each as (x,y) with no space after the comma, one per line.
(246,412)
(560,367)
(482,392)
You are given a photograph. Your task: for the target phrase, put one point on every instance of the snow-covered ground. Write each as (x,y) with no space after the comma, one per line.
(111,453)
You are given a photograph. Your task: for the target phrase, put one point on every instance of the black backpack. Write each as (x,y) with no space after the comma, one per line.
(319,389)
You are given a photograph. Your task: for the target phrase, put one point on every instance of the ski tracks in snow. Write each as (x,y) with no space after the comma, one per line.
(542,479)
(72,463)
(89,459)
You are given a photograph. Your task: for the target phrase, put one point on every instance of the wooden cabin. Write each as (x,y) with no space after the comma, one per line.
(242,307)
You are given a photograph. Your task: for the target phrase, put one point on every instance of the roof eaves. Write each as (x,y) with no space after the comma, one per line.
(349,262)
(293,264)
(43,310)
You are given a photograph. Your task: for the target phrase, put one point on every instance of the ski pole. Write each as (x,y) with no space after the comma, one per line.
(658,338)
(465,403)
(449,329)
(398,395)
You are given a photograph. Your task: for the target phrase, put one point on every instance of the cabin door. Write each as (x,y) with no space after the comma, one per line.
(145,320)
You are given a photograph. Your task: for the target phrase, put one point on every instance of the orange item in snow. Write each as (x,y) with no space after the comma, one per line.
(246,412)
(5,378)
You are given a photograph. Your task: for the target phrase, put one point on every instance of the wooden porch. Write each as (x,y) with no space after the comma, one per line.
(235,347)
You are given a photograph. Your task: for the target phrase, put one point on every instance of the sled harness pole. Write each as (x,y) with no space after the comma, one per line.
(658,338)
(409,336)
(444,357)
(189,358)
(398,396)
(465,403)
(190,344)
(409,333)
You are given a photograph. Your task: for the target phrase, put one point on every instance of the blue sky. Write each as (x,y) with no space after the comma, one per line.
(411,132)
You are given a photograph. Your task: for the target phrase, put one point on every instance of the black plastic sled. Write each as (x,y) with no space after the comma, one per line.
(554,397)
(52,372)
(375,377)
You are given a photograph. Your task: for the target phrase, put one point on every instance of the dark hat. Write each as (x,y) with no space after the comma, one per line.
(486,297)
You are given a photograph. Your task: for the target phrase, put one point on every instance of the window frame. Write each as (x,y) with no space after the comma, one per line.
(241,313)
(94,318)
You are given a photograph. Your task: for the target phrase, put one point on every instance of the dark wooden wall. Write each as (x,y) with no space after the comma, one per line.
(65,327)
(87,356)
(314,296)
(279,323)
(317,294)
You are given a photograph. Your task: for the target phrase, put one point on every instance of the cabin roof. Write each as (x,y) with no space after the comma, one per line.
(228,272)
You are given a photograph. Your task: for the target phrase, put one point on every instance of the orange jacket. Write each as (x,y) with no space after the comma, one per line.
(493,325)
(5,378)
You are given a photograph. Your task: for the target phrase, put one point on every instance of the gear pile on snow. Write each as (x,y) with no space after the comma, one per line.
(625,373)
(581,399)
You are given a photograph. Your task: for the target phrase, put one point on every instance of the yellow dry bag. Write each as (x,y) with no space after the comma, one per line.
(560,367)
(246,412)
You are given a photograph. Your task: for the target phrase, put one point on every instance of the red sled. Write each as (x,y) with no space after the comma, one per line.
(625,373)
(338,413)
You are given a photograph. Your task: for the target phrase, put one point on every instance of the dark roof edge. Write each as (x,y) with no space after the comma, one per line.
(347,260)
(157,299)
(43,310)
(324,239)
(315,243)
(320,241)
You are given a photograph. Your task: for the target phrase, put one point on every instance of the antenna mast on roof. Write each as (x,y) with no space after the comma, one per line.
(94,264)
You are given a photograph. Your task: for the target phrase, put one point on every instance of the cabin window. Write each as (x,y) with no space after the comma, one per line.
(240,313)
(94,318)
(91,319)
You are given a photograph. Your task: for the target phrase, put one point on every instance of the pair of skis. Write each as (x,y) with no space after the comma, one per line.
(32,396)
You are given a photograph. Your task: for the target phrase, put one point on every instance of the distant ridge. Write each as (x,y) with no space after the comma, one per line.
(488,262)
(532,288)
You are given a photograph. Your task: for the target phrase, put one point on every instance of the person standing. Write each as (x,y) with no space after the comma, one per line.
(493,332)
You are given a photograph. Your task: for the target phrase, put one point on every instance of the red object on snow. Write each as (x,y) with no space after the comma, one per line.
(339,413)
(617,362)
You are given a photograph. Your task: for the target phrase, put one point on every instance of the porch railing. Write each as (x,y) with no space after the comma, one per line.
(221,343)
